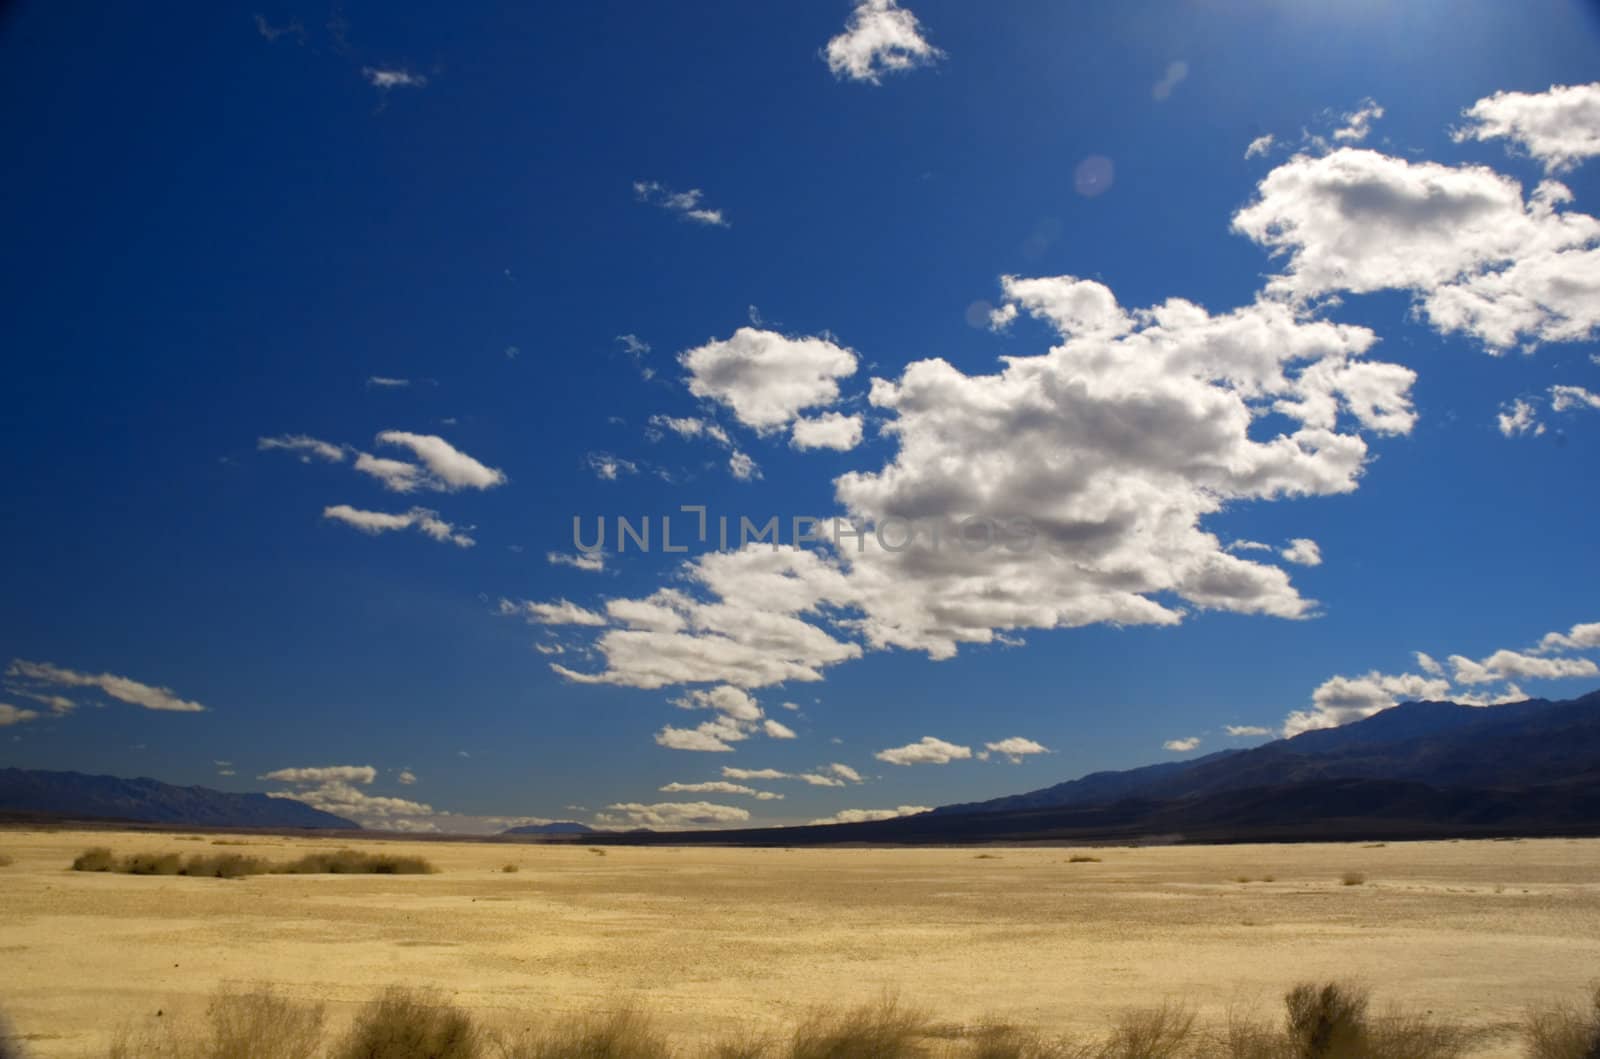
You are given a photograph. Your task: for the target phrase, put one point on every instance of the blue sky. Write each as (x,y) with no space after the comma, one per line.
(437,244)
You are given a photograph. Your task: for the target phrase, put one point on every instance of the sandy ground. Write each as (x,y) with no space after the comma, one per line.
(714,940)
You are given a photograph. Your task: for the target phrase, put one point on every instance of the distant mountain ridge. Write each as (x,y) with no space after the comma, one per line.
(1442,744)
(558,827)
(78,794)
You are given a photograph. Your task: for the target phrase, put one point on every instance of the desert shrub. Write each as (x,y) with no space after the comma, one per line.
(987,856)
(1166,1032)
(1082,858)
(1563,1031)
(509,868)
(597,851)
(1000,1041)
(1412,1036)
(884,1029)
(408,1024)
(151,864)
(6,860)
(1327,1021)
(97,859)
(740,1046)
(356,862)
(225,866)
(623,1034)
(10,1045)
(238,1025)
(1352,878)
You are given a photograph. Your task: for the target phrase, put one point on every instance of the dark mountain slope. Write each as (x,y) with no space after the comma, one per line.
(76,794)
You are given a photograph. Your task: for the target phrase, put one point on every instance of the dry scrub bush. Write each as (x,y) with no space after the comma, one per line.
(6,861)
(238,1025)
(97,859)
(1166,1032)
(883,1029)
(1081,858)
(1352,878)
(1327,1021)
(238,865)
(624,1034)
(1563,1031)
(509,868)
(355,862)
(410,1024)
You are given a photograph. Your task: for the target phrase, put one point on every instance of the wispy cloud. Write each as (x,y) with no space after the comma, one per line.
(687,204)
(880,37)
(124,689)
(420,518)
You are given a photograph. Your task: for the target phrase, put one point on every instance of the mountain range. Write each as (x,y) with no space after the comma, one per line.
(77,795)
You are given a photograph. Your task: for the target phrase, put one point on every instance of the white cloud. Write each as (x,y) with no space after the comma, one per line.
(608,467)
(1015,748)
(1181,746)
(1510,693)
(861,816)
(1241,730)
(766,378)
(925,751)
(1428,664)
(406,778)
(819,779)
(688,427)
(742,467)
(710,737)
(670,815)
(420,518)
(385,78)
(1479,259)
(124,689)
(10,715)
(448,469)
(1565,397)
(845,772)
(1581,637)
(1505,664)
(1177,71)
(1358,123)
(560,612)
(686,204)
(1559,127)
(592,562)
(306,447)
(1341,700)
(830,430)
(363,774)
(734,773)
(1259,146)
(1304,551)
(880,37)
(777,730)
(708,787)
(1519,419)
(368,810)
(387,383)
(1249,546)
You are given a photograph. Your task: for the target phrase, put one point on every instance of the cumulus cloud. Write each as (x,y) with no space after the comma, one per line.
(1015,748)
(777,730)
(1564,397)
(305,447)
(1506,664)
(1303,551)
(1428,664)
(742,467)
(592,562)
(406,777)
(1559,127)
(1479,258)
(10,715)
(1181,746)
(766,378)
(845,772)
(880,37)
(421,519)
(444,467)
(1582,637)
(1358,123)
(686,204)
(830,430)
(670,815)
(384,78)
(925,751)
(1341,700)
(123,689)
(560,612)
(363,774)
(861,816)
(609,468)
(1519,418)
(1259,146)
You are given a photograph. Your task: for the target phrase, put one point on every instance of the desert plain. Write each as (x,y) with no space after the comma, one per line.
(713,940)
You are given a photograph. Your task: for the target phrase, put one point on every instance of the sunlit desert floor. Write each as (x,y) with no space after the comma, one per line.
(717,939)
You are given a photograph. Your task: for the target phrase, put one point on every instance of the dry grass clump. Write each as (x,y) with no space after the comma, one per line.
(509,868)
(238,1025)
(410,1024)
(6,861)
(1166,1032)
(1352,878)
(1564,1031)
(1082,858)
(238,865)
(883,1029)
(357,862)
(624,1034)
